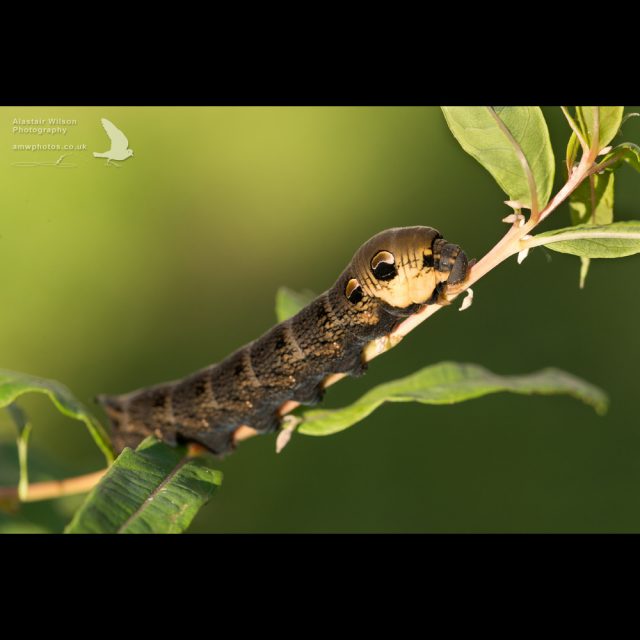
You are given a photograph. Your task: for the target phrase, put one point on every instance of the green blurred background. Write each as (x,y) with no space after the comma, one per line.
(116,278)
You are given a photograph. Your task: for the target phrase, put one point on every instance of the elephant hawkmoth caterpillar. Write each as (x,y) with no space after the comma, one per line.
(391,276)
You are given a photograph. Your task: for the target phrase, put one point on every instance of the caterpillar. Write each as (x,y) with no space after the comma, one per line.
(391,276)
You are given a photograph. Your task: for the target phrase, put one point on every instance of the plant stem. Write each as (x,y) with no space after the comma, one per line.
(54,488)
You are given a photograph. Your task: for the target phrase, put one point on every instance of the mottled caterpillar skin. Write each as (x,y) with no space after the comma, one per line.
(390,277)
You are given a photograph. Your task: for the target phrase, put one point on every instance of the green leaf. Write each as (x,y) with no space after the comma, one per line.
(615,240)
(448,383)
(14,384)
(154,489)
(502,140)
(592,203)
(572,151)
(625,152)
(289,302)
(610,119)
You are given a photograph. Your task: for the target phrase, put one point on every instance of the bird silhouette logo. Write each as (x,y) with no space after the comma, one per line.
(119,144)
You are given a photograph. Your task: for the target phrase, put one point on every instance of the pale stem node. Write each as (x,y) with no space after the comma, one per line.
(516,219)
(289,424)
(523,253)
(468,300)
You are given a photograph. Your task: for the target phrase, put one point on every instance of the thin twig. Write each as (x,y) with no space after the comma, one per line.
(54,488)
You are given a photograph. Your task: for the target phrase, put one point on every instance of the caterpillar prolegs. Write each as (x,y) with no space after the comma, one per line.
(390,277)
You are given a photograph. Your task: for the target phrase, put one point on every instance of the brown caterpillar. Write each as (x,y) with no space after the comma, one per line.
(390,277)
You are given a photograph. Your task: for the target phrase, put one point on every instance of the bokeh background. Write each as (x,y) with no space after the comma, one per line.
(116,278)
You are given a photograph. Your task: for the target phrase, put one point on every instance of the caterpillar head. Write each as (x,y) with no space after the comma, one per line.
(405,266)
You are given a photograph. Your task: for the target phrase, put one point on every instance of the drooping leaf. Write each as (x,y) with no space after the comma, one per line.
(14,384)
(615,240)
(500,139)
(154,489)
(289,302)
(610,119)
(448,383)
(592,203)
(627,152)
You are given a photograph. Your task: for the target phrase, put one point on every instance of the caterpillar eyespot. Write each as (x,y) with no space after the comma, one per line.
(353,291)
(383,266)
(292,359)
